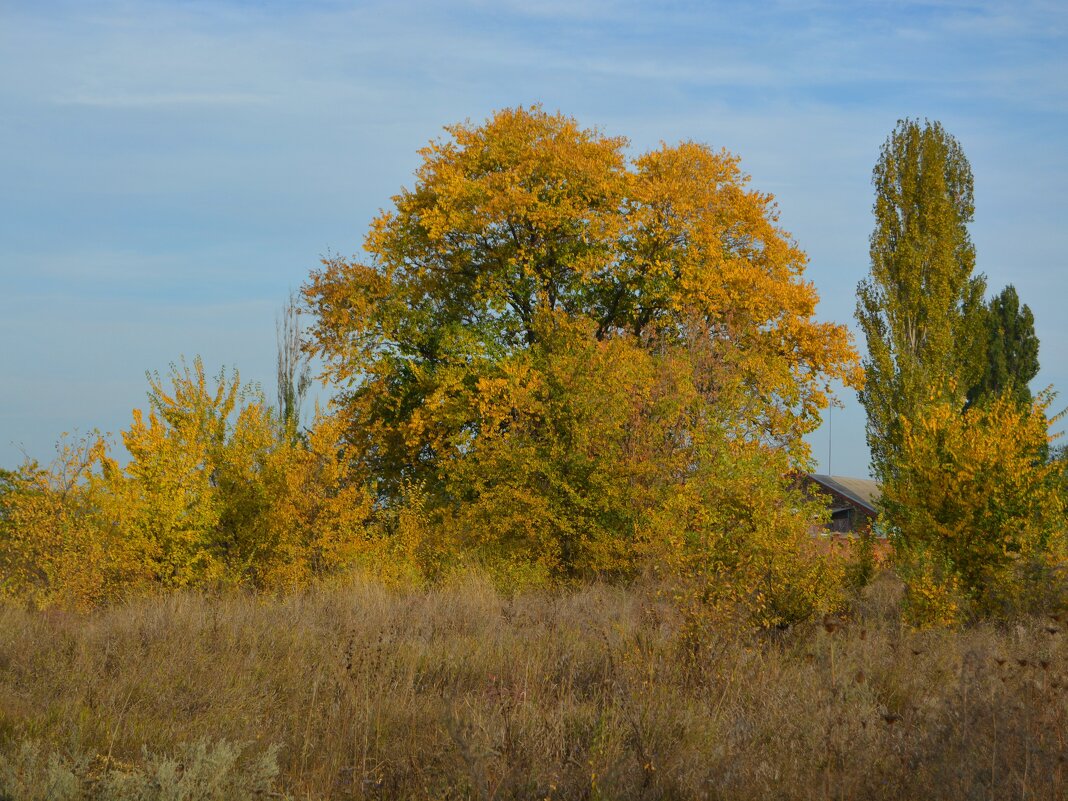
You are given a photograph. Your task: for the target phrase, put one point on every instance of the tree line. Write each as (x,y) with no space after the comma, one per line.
(556,362)
(971,497)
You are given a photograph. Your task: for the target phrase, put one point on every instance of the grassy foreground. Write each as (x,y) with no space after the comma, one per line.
(362,692)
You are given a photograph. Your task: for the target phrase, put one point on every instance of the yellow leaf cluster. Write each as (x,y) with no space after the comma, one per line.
(213,493)
(975,507)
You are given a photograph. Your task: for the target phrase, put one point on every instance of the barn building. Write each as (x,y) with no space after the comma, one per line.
(851,501)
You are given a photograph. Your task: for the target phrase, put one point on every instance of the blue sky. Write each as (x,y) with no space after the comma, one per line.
(168,170)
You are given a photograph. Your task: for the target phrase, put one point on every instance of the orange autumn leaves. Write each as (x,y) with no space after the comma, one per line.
(529,222)
(555,343)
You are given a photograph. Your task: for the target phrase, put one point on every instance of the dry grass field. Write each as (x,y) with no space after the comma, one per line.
(358,691)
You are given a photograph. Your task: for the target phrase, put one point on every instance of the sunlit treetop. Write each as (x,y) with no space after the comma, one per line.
(528,219)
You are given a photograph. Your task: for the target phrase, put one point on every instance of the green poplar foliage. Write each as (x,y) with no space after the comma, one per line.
(920,307)
(1011,350)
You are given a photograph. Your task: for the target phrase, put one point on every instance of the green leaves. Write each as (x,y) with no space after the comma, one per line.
(1011,350)
(920,307)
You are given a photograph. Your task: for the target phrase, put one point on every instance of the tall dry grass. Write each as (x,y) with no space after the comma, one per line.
(358,691)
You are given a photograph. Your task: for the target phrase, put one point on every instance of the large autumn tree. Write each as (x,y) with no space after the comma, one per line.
(921,308)
(544,320)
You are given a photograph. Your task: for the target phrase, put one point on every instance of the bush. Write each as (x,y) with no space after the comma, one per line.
(214,494)
(975,511)
(200,772)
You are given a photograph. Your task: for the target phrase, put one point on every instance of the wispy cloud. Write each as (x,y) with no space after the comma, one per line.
(165,99)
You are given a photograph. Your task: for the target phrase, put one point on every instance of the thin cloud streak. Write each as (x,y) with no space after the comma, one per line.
(170,99)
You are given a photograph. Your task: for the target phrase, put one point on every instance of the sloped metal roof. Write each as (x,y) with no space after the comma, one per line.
(865,492)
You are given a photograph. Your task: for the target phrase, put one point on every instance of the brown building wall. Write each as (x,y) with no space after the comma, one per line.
(848,515)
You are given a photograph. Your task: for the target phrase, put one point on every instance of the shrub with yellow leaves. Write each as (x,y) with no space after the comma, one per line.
(316,520)
(738,545)
(56,548)
(214,492)
(975,510)
(574,446)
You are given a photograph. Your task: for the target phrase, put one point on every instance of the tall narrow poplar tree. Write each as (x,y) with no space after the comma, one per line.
(294,371)
(920,307)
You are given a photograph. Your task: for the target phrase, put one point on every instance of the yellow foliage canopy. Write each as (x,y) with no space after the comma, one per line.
(976,508)
(551,342)
(529,219)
